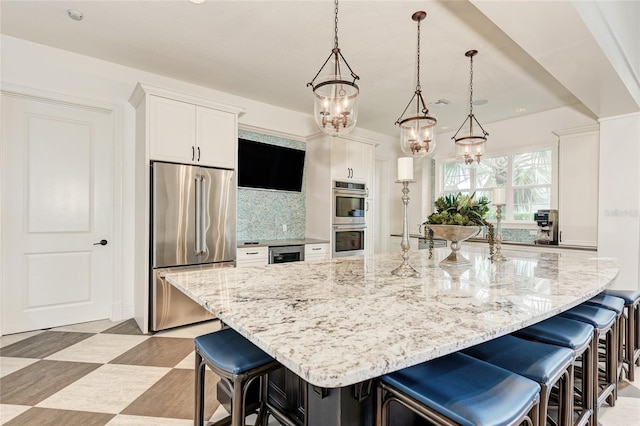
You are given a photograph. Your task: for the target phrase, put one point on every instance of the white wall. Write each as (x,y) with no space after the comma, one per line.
(619,203)
(59,72)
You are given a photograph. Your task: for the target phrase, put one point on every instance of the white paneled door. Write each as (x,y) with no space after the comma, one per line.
(57,208)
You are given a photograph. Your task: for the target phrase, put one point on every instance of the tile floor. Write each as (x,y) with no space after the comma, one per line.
(104,373)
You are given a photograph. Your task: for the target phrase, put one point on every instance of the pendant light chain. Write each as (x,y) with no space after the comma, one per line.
(418,87)
(471,89)
(336,26)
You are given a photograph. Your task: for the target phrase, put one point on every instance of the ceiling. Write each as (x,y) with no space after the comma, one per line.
(269,50)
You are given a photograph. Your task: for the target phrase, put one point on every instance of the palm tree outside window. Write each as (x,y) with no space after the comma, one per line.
(527,178)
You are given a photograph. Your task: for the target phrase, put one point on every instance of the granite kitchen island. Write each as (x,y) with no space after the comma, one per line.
(338,324)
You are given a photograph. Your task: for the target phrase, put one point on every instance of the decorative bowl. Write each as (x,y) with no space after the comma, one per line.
(456,234)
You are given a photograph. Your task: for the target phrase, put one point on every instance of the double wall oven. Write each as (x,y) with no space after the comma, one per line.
(349,218)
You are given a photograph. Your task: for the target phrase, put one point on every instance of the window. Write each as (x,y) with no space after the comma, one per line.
(527,178)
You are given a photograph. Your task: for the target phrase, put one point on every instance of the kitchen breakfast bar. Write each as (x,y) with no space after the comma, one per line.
(339,324)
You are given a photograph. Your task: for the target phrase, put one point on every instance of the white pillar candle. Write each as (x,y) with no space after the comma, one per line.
(499,196)
(405,168)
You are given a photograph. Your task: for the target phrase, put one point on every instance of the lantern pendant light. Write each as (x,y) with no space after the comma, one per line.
(335,96)
(470,144)
(417,132)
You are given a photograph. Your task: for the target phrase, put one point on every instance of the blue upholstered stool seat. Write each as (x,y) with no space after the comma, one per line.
(463,389)
(238,363)
(578,336)
(541,362)
(604,322)
(231,352)
(599,318)
(629,296)
(613,303)
(561,332)
(631,334)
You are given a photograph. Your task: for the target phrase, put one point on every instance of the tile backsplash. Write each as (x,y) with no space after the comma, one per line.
(262,213)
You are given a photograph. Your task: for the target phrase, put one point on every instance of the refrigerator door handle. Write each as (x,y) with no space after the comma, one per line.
(198,225)
(204,206)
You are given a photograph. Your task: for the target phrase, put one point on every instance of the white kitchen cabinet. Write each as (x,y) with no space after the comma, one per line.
(351,160)
(578,187)
(182,132)
(216,135)
(316,252)
(348,158)
(252,256)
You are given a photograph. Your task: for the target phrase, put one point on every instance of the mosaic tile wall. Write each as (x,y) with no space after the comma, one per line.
(261,213)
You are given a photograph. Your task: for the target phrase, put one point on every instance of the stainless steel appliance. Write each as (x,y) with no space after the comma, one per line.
(348,240)
(547,221)
(349,203)
(193,226)
(283,254)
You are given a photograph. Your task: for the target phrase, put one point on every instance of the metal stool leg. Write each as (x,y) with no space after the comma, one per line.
(198,419)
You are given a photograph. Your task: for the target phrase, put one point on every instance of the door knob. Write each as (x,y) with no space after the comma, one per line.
(101,243)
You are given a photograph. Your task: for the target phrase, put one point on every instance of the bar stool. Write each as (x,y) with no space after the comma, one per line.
(577,336)
(604,326)
(615,304)
(461,389)
(237,361)
(631,325)
(548,365)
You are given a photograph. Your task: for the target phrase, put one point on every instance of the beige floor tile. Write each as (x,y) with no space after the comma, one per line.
(100,348)
(626,412)
(189,362)
(191,331)
(219,414)
(89,327)
(8,412)
(10,339)
(123,420)
(8,364)
(108,389)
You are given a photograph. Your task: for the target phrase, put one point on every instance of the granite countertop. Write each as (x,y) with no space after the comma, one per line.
(343,321)
(280,243)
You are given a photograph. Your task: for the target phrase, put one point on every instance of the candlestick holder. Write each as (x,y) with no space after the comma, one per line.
(405,270)
(498,256)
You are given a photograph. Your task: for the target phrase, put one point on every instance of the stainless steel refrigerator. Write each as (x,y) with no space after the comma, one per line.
(193,226)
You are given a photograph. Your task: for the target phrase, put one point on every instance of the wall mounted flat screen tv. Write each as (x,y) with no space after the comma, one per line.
(266,166)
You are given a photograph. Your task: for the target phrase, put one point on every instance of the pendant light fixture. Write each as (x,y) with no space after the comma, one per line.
(335,106)
(417,132)
(470,142)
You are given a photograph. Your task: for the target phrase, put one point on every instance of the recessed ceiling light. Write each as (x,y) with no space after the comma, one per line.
(521,109)
(75,15)
(197,1)
(480,102)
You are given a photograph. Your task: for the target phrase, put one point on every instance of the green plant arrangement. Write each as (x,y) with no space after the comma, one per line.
(461,210)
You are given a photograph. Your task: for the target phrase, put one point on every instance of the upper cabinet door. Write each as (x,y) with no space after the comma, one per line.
(340,168)
(351,160)
(216,138)
(172,130)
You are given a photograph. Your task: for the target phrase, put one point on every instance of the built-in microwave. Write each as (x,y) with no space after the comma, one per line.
(349,203)
(348,240)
